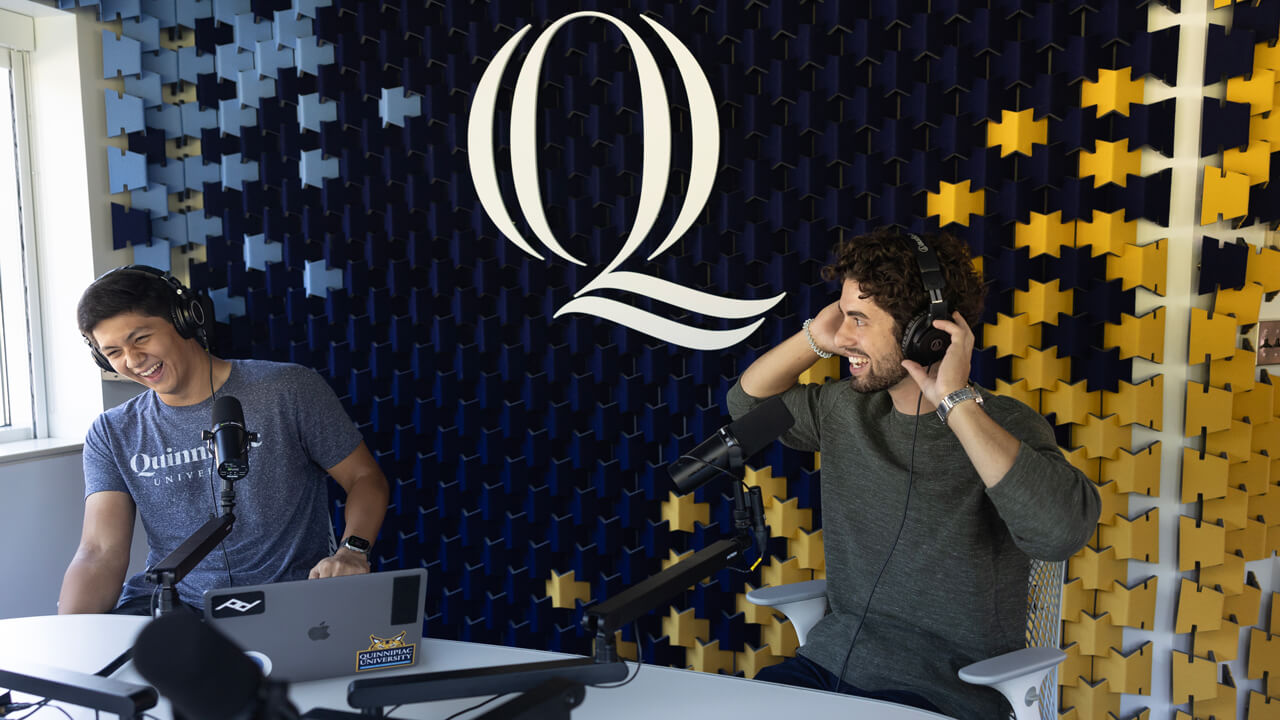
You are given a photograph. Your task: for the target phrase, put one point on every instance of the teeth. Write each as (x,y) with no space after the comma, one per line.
(859,361)
(150,371)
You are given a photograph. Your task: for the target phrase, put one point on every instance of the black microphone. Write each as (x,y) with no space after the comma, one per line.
(229,438)
(204,675)
(732,444)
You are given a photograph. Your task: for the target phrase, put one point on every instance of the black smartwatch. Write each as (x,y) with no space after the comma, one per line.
(358,544)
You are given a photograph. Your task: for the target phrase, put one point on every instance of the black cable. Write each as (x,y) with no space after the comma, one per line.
(635,628)
(624,682)
(37,707)
(474,707)
(155,597)
(911,471)
(213,493)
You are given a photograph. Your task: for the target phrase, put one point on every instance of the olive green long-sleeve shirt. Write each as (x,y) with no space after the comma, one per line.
(954,590)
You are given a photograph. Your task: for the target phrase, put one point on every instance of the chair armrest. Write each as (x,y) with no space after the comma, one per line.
(1002,668)
(789,593)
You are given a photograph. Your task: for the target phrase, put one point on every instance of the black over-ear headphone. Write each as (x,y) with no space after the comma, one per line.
(190,312)
(921,341)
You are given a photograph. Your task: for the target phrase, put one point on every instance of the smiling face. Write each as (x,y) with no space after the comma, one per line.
(149,351)
(869,337)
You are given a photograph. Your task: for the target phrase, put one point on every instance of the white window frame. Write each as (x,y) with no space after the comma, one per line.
(19,296)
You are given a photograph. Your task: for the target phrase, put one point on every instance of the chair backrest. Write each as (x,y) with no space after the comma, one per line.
(1044,623)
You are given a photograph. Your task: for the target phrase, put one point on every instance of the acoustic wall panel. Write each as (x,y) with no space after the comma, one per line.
(528,436)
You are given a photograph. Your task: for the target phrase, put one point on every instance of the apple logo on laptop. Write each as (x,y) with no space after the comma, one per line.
(319,632)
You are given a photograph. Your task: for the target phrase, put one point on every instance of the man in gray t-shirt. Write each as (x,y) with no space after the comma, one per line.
(935,493)
(148,455)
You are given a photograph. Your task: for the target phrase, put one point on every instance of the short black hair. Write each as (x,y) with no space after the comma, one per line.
(121,291)
(883,263)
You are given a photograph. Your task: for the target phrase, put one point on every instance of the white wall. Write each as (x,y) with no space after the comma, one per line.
(73,211)
(40,519)
(41,498)
(1184,235)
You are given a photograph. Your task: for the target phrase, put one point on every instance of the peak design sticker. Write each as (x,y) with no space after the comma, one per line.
(385,653)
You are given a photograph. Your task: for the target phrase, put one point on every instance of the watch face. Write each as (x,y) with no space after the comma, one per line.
(357,543)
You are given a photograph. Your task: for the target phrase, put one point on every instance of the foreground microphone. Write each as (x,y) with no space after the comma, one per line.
(230,440)
(743,437)
(204,674)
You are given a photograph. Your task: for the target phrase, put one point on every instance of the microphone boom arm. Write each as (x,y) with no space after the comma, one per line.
(174,567)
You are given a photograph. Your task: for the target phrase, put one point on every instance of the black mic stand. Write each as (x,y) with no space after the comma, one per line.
(606,618)
(173,568)
(603,619)
(170,571)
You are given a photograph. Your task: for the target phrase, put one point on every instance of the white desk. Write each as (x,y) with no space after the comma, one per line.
(86,643)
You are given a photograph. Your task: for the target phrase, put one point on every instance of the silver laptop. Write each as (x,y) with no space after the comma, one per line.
(314,629)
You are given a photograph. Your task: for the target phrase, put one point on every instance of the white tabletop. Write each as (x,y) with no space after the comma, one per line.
(86,643)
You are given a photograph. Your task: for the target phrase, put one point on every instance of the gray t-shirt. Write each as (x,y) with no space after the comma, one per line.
(954,591)
(156,453)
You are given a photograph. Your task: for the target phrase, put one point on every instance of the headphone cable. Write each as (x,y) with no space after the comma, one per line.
(911,466)
(213,394)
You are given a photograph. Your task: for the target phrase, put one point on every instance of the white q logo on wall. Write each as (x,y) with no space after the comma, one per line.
(705,139)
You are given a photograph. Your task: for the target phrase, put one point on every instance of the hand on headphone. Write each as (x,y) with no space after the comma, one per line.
(952,372)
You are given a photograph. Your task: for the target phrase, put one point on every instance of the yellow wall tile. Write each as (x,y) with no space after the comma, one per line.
(954,203)
(1043,302)
(1092,700)
(1225,194)
(1114,91)
(1137,404)
(1203,476)
(1141,266)
(1227,578)
(1135,471)
(1097,569)
(1102,437)
(1211,335)
(1017,131)
(1136,539)
(1236,371)
(1108,233)
(1045,234)
(1071,402)
(1207,407)
(1127,673)
(1041,368)
(1138,336)
(1243,608)
(1011,335)
(1243,304)
(1133,607)
(1198,607)
(1249,541)
(1113,162)
(1193,677)
(1199,542)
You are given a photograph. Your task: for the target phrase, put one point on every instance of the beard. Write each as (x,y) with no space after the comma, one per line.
(884,372)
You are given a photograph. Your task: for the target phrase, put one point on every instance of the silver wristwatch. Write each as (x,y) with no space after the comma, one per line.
(950,401)
(357,544)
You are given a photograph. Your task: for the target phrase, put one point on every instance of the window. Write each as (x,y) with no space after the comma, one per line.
(19,411)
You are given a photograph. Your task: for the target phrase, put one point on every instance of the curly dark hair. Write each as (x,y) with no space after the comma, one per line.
(883,264)
(121,291)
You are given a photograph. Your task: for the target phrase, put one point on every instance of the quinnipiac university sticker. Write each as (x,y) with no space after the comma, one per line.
(385,653)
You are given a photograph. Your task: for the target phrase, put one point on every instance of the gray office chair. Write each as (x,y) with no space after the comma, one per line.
(1028,678)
